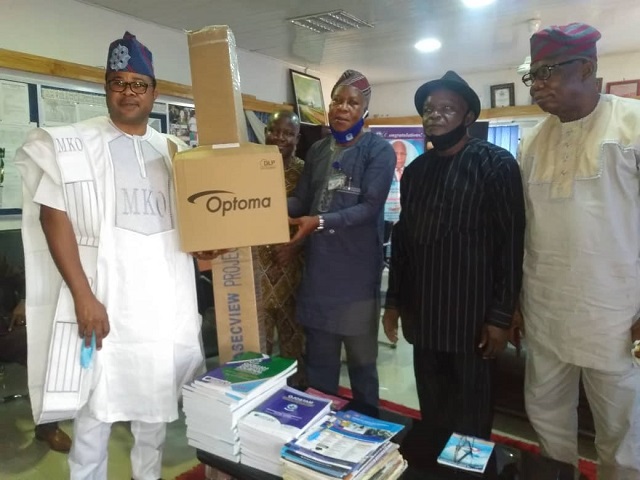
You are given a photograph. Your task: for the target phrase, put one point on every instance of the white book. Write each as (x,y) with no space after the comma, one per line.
(273,465)
(220,453)
(195,428)
(197,402)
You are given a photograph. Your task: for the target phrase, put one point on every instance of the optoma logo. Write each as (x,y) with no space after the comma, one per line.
(218,201)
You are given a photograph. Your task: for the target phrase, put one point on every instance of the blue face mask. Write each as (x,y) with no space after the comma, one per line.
(348,135)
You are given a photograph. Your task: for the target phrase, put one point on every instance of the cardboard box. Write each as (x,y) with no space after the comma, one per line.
(221,122)
(238,304)
(215,80)
(230,197)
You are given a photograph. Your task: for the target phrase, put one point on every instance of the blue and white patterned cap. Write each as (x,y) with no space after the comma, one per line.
(127,54)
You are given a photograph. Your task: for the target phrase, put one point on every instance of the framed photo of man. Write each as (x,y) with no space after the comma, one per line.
(503,95)
(308,98)
(626,88)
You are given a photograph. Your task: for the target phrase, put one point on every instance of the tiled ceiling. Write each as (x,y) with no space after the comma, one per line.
(489,38)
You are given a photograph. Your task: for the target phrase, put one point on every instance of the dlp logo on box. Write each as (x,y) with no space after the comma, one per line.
(267,163)
(219,201)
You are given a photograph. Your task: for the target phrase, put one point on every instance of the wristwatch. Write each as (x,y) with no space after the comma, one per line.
(320,226)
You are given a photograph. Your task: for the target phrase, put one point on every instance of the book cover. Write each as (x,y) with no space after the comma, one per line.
(241,378)
(365,428)
(466,452)
(287,413)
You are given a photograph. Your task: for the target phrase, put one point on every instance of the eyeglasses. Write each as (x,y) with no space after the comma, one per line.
(543,72)
(120,86)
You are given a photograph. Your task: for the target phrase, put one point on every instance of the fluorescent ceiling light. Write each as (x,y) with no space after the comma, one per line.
(329,22)
(477,3)
(428,45)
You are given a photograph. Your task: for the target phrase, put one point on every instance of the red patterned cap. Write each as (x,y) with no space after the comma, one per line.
(357,80)
(575,40)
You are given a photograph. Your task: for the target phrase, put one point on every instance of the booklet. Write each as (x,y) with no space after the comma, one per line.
(286,414)
(241,379)
(342,445)
(466,452)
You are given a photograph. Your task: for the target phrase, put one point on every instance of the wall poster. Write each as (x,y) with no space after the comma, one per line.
(408,143)
(61,106)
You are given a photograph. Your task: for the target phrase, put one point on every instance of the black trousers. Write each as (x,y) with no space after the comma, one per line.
(455,391)
(323,363)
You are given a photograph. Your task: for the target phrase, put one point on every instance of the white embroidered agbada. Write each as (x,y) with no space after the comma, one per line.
(117,191)
(581,285)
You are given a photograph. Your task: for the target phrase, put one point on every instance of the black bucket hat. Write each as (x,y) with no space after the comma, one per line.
(451,81)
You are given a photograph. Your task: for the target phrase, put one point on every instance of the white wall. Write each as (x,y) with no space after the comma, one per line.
(79,33)
(396,99)
(75,32)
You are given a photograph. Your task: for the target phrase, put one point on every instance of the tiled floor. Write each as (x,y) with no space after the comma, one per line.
(24,458)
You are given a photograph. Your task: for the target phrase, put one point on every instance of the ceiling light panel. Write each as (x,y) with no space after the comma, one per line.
(329,22)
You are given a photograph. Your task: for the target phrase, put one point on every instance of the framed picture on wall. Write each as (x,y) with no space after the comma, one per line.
(503,95)
(308,98)
(626,88)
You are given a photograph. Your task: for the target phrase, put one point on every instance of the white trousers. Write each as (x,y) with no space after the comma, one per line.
(89,451)
(551,398)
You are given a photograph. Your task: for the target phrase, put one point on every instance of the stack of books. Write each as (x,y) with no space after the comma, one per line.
(213,403)
(281,418)
(348,445)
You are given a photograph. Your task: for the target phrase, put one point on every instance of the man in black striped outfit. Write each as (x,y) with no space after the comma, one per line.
(456,266)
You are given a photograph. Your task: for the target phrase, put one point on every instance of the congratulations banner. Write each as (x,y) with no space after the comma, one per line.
(408,143)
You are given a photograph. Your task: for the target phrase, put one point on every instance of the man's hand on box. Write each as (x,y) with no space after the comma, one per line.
(210,254)
(306,226)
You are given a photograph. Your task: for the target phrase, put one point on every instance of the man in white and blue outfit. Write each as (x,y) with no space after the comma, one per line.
(102,252)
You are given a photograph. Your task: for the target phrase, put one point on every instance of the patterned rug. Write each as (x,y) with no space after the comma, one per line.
(587,467)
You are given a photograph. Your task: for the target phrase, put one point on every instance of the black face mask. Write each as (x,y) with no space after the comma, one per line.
(445,141)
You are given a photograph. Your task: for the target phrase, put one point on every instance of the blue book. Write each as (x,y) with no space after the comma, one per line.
(466,452)
(279,419)
(286,414)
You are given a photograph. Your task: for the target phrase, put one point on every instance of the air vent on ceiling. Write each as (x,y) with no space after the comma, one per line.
(329,22)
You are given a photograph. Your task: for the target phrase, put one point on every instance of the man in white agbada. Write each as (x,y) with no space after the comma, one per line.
(102,257)
(581,286)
